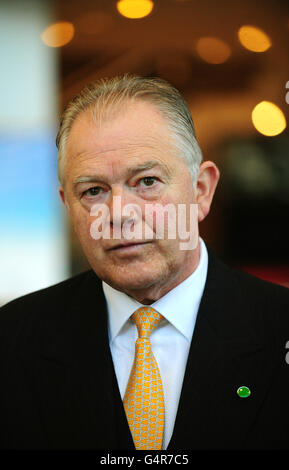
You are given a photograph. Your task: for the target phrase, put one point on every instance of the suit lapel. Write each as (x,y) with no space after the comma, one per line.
(75,382)
(225,353)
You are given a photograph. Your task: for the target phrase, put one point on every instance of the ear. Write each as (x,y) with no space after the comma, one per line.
(206,184)
(62,196)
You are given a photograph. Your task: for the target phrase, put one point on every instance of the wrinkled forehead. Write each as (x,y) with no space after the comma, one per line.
(137,124)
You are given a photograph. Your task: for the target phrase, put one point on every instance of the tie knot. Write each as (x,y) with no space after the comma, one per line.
(146,320)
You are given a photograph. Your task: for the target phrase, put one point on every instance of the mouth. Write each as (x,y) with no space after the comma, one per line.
(128,246)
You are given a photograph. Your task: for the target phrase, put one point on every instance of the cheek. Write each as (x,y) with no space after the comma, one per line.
(160,216)
(81,220)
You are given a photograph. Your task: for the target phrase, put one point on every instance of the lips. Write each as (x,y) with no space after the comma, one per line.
(126,244)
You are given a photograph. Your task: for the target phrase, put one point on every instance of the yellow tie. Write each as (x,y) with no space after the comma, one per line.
(143,400)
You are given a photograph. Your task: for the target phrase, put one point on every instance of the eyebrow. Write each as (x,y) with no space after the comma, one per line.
(132,170)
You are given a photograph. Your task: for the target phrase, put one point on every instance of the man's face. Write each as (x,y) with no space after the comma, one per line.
(132,156)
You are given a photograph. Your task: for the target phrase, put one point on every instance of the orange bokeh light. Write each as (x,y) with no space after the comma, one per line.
(58,34)
(135,8)
(254,39)
(213,50)
(268,119)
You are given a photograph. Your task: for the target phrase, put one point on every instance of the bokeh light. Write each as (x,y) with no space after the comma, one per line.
(254,38)
(268,119)
(213,50)
(135,8)
(58,34)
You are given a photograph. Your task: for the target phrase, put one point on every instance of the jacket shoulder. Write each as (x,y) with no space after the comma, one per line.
(54,293)
(248,300)
(55,308)
(253,287)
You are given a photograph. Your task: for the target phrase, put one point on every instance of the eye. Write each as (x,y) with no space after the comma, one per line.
(148,180)
(92,191)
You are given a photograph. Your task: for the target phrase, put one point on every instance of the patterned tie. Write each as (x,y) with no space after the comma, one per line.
(143,400)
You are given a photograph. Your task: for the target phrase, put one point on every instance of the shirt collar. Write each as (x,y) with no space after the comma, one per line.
(179,306)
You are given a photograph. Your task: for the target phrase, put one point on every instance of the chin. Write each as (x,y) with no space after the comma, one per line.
(131,281)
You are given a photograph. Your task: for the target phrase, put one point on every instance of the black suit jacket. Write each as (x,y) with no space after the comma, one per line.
(59,389)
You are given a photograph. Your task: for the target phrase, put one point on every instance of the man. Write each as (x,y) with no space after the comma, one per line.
(159,346)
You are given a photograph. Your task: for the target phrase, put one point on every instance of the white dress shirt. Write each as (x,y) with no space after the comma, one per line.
(170,341)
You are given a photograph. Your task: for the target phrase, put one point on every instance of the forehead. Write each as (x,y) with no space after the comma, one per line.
(138,125)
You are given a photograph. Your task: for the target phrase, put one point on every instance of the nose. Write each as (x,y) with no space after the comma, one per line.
(121,202)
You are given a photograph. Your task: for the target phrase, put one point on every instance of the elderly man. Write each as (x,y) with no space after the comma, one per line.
(159,345)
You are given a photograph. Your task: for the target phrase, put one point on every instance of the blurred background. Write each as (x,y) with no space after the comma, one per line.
(230,59)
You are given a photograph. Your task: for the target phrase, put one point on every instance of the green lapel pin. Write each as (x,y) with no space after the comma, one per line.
(243,391)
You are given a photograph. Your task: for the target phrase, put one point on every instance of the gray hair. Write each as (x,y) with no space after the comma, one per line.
(108,94)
